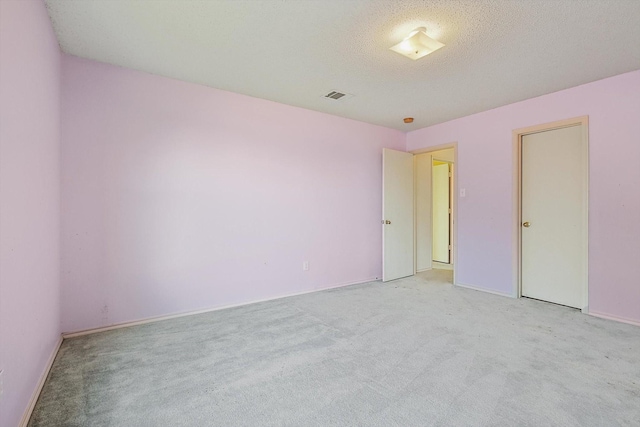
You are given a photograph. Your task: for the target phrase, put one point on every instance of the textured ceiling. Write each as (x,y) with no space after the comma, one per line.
(497,51)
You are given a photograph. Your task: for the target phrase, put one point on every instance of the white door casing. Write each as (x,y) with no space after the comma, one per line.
(553,236)
(397,215)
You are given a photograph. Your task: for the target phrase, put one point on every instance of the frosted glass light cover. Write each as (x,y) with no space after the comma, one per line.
(417,45)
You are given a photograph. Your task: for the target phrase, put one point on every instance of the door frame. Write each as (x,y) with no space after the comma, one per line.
(517,199)
(454,203)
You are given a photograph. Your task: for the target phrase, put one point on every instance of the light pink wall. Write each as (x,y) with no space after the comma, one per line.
(485,167)
(179,197)
(29,200)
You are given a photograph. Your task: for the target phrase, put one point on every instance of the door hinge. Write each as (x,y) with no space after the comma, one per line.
(450,247)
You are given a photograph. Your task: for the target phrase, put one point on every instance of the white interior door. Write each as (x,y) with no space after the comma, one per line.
(397,213)
(441,214)
(553,220)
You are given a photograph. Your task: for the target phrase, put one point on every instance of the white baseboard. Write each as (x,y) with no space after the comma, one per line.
(43,378)
(489,291)
(614,318)
(206,310)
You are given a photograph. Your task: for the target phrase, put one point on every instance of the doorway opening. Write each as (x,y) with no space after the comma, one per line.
(419,220)
(434,198)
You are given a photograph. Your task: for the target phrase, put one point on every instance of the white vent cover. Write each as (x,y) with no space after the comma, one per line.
(335,95)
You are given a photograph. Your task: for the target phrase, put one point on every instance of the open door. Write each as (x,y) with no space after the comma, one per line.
(397,213)
(441,212)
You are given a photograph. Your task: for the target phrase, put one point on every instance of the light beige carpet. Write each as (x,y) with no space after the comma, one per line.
(414,352)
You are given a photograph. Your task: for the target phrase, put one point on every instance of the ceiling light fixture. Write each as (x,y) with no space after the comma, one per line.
(417,44)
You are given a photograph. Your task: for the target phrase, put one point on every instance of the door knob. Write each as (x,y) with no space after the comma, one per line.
(526,224)
(387,222)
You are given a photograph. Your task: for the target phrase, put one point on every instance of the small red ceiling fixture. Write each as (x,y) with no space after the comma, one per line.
(408,119)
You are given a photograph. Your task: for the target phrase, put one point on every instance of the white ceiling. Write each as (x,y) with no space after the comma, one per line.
(497,51)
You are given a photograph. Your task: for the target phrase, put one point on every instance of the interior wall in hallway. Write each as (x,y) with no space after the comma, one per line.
(179,197)
(29,201)
(424,192)
(485,171)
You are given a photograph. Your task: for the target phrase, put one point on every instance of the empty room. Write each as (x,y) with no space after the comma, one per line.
(319,213)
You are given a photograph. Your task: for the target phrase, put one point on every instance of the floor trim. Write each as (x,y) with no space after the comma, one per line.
(43,378)
(489,291)
(206,310)
(614,318)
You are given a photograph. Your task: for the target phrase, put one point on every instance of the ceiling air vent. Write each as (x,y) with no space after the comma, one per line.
(334,94)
